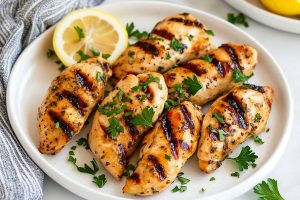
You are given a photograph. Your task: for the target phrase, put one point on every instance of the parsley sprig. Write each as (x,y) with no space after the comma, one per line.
(132,32)
(114,127)
(245,158)
(143,85)
(79,32)
(183,181)
(238,76)
(100,180)
(257,139)
(177,46)
(192,84)
(239,19)
(268,190)
(170,103)
(144,119)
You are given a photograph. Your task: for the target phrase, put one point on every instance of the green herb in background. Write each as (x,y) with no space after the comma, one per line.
(79,32)
(268,190)
(245,158)
(238,19)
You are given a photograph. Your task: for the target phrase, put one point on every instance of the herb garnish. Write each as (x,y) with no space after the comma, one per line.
(105,55)
(168,55)
(82,55)
(128,113)
(268,190)
(239,19)
(129,170)
(143,85)
(167,157)
(56,125)
(202,190)
(99,77)
(209,32)
(114,127)
(131,54)
(182,188)
(110,108)
(193,85)
(89,170)
(219,117)
(145,118)
(212,179)
(134,32)
(222,134)
(257,139)
(257,117)
(190,37)
(177,46)
(80,32)
(83,142)
(170,103)
(207,58)
(245,158)
(50,53)
(235,174)
(183,181)
(238,76)
(100,180)
(95,52)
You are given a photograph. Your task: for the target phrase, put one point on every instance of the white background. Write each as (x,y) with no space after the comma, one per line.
(285,47)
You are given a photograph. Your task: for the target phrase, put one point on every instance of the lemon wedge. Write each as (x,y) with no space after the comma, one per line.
(86,33)
(283,7)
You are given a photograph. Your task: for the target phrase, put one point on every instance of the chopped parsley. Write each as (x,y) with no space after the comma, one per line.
(143,119)
(100,180)
(170,103)
(257,139)
(114,127)
(99,77)
(257,117)
(111,107)
(167,157)
(129,170)
(202,190)
(183,180)
(89,170)
(245,158)
(209,32)
(222,134)
(212,179)
(80,32)
(62,68)
(57,125)
(239,19)
(143,85)
(105,55)
(268,190)
(219,117)
(126,114)
(168,55)
(238,76)
(83,142)
(95,52)
(190,37)
(132,32)
(50,53)
(193,85)
(142,97)
(131,54)
(235,174)
(177,46)
(82,55)
(207,58)
(182,188)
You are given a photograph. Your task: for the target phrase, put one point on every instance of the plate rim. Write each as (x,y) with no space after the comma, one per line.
(86,192)
(267,17)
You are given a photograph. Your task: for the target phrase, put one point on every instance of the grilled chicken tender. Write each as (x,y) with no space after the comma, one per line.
(71,98)
(174,135)
(245,111)
(132,96)
(173,40)
(214,72)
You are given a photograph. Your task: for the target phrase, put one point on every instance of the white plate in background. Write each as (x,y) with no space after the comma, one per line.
(33,73)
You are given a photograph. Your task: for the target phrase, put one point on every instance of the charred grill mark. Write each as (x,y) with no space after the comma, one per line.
(148,48)
(186,22)
(131,128)
(163,33)
(187,117)
(150,93)
(122,155)
(184,14)
(76,101)
(194,68)
(83,80)
(65,126)
(135,177)
(254,87)
(166,125)
(157,167)
(238,110)
(231,52)
(222,67)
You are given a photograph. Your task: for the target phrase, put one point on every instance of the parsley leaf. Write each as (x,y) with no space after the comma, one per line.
(257,139)
(83,142)
(257,117)
(268,190)
(132,32)
(212,179)
(89,170)
(222,134)
(219,117)
(57,125)
(128,113)
(170,103)
(82,55)
(178,90)
(209,32)
(80,32)
(114,127)
(238,19)
(95,52)
(129,168)
(183,180)
(105,55)
(167,157)
(168,55)
(235,174)
(177,46)
(99,77)
(190,37)
(50,53)
(238,76)
(100,180)
(246,157)
(202,190)
(143,119)
(143,85)
(207,58)
(193,85)
(182,188)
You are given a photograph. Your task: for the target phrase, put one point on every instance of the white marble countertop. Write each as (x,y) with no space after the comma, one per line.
(285,47)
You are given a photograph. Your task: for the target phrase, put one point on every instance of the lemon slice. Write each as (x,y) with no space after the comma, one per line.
(283,7)
(86,33)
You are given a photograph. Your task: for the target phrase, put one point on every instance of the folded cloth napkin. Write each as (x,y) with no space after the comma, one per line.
(21,21)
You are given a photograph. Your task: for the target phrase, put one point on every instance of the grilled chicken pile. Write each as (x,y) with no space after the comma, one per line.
(194,73)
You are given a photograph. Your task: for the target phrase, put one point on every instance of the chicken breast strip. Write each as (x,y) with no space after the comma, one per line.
(123,117)
(174,40)
(71,98)
(165,149)
(215,73)
(231,119)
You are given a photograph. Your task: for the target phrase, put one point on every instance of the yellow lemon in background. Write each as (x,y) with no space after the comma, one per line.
(283,7)
(89,32)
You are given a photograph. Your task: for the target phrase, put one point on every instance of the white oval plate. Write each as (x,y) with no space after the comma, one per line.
(257,12)
(33,72)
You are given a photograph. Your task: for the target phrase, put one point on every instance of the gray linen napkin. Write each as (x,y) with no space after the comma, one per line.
(21,21)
